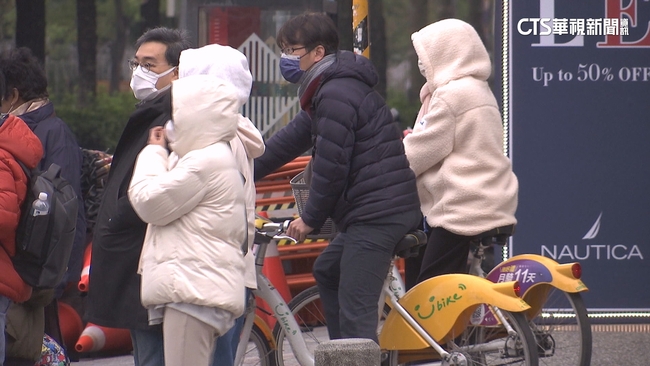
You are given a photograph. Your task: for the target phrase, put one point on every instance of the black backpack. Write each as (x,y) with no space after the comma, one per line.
(44,242)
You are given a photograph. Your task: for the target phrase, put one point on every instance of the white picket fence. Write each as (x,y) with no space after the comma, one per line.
(273,101)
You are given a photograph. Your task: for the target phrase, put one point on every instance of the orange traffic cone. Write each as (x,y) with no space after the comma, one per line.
(85,272)
(274,271)
(97,338)
(70,324)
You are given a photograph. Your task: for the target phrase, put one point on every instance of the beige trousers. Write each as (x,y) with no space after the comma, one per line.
(188,341)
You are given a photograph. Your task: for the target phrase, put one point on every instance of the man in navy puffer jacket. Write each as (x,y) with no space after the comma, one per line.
(360,175)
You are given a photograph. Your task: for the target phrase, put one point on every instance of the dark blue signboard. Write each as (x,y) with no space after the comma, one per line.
(579,111)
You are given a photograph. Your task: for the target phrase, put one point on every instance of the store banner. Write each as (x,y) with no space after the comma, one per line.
(579,111)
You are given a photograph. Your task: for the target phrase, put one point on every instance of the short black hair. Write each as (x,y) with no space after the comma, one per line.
(176,41)
(23,72)
(311,30)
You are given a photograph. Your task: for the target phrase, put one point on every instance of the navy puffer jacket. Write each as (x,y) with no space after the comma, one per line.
(60,147)
(360,171)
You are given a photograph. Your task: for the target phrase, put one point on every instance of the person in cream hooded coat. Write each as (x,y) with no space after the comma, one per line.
(231,66)
(192,261)
(465,182)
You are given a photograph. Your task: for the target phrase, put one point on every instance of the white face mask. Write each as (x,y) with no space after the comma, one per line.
(143,83)
(170,135)
(421,67)
(6,114)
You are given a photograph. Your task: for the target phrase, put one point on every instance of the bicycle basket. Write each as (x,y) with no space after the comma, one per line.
(301,194)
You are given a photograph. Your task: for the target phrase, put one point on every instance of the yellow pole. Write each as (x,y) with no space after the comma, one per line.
(360,37)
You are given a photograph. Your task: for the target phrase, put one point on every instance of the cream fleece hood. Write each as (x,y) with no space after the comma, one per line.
(221,62)
(437,48)
(465,182)
(214,100)
(230,65)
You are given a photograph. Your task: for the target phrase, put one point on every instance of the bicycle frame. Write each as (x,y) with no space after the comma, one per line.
(443,307)
(268,293)
(428,315)
(252,319)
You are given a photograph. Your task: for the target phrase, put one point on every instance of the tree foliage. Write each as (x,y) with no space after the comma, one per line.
(7,22)
(99,124)
(405,17)
(30,27)
(117,46)
(118,23)
(87,50)
(150,13)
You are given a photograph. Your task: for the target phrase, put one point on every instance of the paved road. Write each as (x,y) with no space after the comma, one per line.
(612,346)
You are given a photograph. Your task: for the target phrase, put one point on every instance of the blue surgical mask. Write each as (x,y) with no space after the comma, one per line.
(290,68)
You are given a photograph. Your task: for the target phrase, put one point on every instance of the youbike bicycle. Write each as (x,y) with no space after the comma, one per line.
(557,316)
(256,345)
(435,315)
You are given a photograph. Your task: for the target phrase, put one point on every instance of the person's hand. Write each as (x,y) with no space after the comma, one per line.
(299,230)
(157,137)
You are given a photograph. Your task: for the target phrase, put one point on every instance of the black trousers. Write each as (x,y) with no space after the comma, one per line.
(445,253)
(350,273)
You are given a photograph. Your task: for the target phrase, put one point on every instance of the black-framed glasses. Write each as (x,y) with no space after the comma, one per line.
(133,64)
(291,50)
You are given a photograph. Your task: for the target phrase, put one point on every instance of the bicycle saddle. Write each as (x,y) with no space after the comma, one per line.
(497,235)
(409,245)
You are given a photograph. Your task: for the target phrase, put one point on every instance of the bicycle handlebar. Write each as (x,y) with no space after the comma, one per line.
(273,230)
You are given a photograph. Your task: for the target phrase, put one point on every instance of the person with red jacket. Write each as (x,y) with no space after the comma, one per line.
(17,143)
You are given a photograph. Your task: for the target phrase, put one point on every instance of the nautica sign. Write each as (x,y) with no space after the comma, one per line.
(592,251)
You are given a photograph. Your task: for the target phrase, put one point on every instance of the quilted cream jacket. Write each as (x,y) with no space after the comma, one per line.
(195,208)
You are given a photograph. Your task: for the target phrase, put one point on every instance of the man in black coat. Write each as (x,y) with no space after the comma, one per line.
(114,284)
(361,177)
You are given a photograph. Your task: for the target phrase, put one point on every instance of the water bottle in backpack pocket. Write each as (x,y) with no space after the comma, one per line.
(46,228)
(32,230)
(41,206)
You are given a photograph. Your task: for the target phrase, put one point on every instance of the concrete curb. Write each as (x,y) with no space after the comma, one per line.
(346,352)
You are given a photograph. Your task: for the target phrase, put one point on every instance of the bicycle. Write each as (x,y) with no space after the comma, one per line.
(551,289)
(558,316)
(296,337)
(256,345)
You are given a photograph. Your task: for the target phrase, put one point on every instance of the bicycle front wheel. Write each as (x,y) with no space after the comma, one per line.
(562,330)
(308,311)
(258,351)
(492,345)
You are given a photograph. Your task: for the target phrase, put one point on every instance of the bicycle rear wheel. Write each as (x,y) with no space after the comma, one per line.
(308,311)
(492,345)
(258,351)
(563,330)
